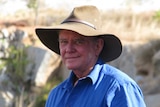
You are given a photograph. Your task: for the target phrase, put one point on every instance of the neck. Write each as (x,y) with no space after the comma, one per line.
(81,74)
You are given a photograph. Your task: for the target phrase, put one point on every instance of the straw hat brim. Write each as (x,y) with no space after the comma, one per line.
(112,45)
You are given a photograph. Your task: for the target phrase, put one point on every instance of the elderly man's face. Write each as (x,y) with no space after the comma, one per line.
(78,52)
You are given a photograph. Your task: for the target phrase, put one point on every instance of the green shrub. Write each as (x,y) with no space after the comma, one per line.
(42,97)
(157,16)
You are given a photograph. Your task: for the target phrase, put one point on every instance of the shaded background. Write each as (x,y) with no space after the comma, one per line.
(28,70)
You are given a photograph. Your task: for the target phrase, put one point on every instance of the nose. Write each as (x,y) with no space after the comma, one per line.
(70,47)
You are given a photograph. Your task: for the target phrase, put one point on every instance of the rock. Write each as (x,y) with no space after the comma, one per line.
(147,63)
(6,99)
(126,61)
(42,64)
(152,100)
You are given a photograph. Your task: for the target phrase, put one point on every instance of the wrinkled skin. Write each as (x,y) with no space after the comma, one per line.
(79,53)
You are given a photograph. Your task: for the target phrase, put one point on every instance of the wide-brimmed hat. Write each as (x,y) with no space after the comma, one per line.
(85,20)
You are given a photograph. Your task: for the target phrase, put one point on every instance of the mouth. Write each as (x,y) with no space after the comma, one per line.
(71,57)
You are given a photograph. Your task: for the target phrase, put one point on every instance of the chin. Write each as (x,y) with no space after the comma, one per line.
(71,67)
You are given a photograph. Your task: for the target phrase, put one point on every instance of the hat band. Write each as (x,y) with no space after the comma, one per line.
(79,21)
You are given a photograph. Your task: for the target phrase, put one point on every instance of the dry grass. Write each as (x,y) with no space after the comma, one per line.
(129,26)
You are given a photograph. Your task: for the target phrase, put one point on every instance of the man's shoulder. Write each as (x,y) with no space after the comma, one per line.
(115,74)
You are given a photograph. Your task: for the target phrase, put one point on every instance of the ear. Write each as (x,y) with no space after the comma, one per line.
(99,46)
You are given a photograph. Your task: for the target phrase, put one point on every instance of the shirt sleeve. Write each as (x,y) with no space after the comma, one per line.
(126,95)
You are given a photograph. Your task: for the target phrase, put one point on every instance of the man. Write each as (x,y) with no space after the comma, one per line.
(84,49)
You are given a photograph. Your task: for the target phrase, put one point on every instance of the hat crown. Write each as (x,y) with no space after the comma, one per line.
(88,15)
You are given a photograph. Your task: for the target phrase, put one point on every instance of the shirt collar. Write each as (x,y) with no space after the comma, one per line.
(93,75)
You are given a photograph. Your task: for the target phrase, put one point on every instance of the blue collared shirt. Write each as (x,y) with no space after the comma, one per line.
(105,86)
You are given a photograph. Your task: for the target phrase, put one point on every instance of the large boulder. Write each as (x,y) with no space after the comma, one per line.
(147,63)
(42,64)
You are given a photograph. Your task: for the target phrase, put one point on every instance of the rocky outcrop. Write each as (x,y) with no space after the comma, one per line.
(34,66)
(42,64)
(147,63)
